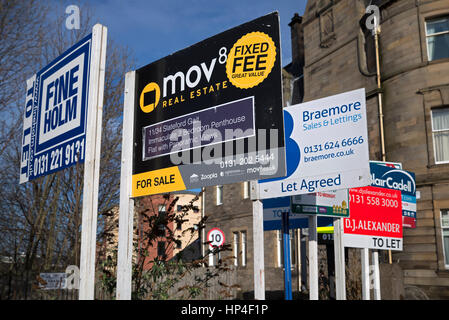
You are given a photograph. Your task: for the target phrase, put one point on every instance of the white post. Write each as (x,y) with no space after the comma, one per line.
(203,230)
(365,274)
(258,243)
(259,264)
(125,235)
(339,253)
(376,275)
(313,258)
(92,163)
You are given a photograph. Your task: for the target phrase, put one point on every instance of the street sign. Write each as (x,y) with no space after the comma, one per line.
(55,117)
(52,281)
(326,147)
(215,237)
(325,238)
(330,203)
(376,219)
(396,165)
(62,126)
(397,179)
(272,215)
(211,114)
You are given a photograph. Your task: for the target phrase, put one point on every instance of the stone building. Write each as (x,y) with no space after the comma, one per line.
(333,51)
(414,68)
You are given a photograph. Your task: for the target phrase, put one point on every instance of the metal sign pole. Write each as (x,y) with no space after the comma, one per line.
(376,275)
(287,262)
(313,258)
(125,233)
(365,274)
(298,258)
(92,163)
(339,253)
(258,244)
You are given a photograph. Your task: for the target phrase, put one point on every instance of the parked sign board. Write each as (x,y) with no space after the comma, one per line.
(397,165)
(211,114)
(53,281)
(326,147)
(376,219)
(272,215)
(55,117)
(397,179)
(333,203)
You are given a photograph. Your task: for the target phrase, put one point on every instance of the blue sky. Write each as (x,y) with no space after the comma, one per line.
(154,29)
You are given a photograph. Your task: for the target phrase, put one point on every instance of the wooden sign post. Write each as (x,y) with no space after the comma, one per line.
(92,163)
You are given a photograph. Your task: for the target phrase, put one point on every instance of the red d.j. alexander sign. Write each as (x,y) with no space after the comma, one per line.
(375,220)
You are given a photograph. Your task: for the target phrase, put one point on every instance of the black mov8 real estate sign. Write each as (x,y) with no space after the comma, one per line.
(211,114)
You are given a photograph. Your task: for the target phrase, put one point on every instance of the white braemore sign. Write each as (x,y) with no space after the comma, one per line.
(326,146)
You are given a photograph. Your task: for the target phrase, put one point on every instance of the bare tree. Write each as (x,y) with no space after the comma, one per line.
(40,220)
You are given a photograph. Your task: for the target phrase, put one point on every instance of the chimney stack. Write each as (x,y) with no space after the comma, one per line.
(297,36)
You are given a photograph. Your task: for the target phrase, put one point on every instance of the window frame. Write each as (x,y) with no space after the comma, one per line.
(433,19)
(437,131)
(219,195)
(239,247)
(280,248)
(243,247)
(246,188)
(161,246)
(445,259)
(236,247)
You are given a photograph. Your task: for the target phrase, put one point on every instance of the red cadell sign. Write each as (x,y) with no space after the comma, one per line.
(376,219)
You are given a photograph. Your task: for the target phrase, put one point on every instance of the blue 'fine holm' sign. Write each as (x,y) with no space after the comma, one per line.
(55,117)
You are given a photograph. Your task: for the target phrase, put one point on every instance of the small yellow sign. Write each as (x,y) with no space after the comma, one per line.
(157,181)
(250,60)
(325,229)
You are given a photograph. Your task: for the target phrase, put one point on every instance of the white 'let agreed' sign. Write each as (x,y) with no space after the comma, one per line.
(326,145)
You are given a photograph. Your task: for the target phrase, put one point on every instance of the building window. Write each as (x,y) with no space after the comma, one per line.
(327,32)
(280,248)
(219,190)
(239,248)
(246,190)
(445,233)
(440,134)
(214,257)
(243,248)
(437,35)
(162,217)
(280,260)
(236,245)
(161,249)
